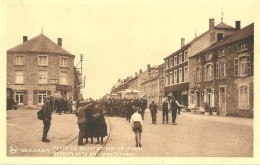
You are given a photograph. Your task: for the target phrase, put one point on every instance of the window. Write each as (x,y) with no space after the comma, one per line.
(175,61)
(19,77)
(43,77)
(180,75)
(242,65)
(185,55)
(171,77)
(221,52)
(63,78)
(43,60)
(64,62)
(243,101)
(180,58)
(171,62)
(19,97)
(210,97)
(41,96)
(166,64)
(19,60)
(198,75)
(175,76)
(222,70)
(186,75)
(243,46)
(208,72)
(208,56)
(197,60)
(217,70)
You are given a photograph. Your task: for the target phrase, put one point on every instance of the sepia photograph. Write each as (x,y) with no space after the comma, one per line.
(129,82)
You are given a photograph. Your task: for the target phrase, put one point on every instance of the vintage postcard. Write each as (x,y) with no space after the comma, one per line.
(129,82)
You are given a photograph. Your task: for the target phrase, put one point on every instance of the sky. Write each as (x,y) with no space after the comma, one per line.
(118,37)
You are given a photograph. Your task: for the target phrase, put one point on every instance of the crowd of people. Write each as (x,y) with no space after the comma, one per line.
(91,120)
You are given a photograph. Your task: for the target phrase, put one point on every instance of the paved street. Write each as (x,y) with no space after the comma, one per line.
(195,135)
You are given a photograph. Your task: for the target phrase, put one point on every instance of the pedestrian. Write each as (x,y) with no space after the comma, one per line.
(143,106)
(174,108)
(80,113)
(99,122)
(153,111)
(74,106)
(136,123)
(90,127)
(165,110)
(47,118)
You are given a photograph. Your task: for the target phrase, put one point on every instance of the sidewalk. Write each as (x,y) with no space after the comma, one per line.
(220,118)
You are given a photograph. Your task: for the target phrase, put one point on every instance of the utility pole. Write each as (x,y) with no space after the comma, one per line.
(81,59)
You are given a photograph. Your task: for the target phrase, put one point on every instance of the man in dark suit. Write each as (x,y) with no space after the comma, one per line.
(47,118)
(143,106)
(174,108)
(165,110)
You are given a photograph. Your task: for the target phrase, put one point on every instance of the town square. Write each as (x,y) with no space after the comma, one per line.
(130,79)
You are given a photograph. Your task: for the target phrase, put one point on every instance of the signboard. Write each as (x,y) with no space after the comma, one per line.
(64,88)
(53,81)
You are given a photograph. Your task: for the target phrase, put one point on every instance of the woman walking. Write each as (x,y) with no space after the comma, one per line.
(100,125)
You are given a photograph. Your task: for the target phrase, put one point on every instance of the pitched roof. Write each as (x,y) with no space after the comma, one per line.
(222,25)
(219,26)
(241,34)
(39,44)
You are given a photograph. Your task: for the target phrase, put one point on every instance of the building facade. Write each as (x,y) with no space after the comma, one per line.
(161,83)
(222,74)
(177,69)
(150,87)
(39,68)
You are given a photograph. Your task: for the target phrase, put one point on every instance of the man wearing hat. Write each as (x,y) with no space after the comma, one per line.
(47,111)
(80,113)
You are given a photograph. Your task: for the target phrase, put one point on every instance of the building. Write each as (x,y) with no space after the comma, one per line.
(133,83)
(161,83)
(150,87)
(222,74)
(39,68)
(177,64)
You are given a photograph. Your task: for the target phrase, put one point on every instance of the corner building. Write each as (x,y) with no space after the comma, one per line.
(39,68)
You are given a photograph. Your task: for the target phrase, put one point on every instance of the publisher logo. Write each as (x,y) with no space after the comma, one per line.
(13,150)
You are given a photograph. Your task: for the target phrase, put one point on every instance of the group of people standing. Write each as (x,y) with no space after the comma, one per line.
(91,122)
(124,107)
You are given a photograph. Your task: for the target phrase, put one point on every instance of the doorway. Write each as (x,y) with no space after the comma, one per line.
(222,100)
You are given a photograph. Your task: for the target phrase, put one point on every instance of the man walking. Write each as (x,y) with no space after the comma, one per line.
(165,110)
(153,111)
(47,111)
(174,108)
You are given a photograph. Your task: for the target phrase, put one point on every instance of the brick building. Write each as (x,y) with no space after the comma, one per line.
(222,74)
(38,68)
(177,64)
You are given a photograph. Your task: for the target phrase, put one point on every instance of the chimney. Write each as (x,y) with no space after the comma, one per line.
(140,71)
(238,25)
(25,38)
(219,37)
(119,80)
(211,24)
(182,42)
(136,74)
(60,42)
(148,67)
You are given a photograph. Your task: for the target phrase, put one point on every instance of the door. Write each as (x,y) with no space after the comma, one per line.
(19,97)
(222,101)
